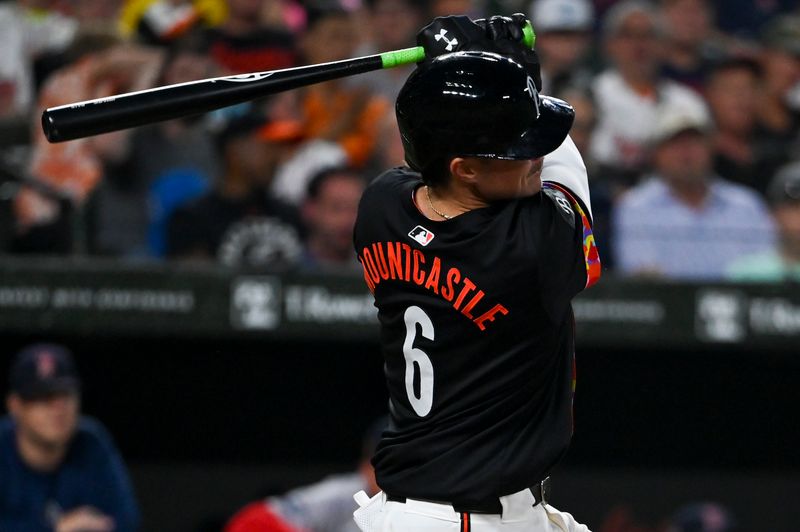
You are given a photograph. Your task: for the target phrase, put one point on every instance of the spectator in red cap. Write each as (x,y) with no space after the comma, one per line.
(59,471)
(325,506)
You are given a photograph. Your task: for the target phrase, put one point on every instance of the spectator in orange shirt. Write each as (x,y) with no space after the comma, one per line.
(334,110)
(392,25)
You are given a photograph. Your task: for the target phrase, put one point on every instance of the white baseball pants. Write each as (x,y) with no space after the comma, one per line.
(519,515)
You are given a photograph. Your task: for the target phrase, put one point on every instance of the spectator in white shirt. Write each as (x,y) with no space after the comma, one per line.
(563,42)
(684,222)
(631,91)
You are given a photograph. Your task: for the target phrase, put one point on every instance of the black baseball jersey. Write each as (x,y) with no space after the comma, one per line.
(477,337)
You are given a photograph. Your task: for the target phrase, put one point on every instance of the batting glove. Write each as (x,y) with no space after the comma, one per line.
(498,34)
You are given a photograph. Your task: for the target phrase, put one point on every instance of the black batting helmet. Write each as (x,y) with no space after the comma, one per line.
(477,104)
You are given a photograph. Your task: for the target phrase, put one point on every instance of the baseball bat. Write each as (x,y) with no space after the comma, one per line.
(113,113)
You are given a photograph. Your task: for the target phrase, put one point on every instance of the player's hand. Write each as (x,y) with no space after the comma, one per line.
(499,28)
(501,35)
(84,519)
(506,35)
(452,33)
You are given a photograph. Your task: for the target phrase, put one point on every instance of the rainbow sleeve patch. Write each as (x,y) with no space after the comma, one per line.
(590,254)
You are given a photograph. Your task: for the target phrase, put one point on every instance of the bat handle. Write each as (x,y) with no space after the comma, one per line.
(417,54)
(402,57)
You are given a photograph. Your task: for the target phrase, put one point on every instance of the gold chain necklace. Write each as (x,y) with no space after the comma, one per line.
(428,194)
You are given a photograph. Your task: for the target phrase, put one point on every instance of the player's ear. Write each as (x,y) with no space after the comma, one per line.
(464,169)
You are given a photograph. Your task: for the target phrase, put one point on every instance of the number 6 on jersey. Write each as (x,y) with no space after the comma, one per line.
(416,357)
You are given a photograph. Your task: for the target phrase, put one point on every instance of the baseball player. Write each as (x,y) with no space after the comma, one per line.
(473,253)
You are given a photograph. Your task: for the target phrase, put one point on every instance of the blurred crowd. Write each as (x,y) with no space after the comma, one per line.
(687,115)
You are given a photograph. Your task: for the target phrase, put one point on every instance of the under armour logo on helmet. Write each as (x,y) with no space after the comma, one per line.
(442,35)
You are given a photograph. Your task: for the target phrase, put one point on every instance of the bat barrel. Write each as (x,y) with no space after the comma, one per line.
(104,115)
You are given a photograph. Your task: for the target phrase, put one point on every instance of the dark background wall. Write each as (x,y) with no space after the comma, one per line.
(208,425)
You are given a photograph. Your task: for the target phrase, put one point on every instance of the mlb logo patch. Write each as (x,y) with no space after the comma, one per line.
(421,235)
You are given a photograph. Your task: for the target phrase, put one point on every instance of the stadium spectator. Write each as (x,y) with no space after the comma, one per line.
(163,21)
(745,19)
(393,25)
(239,223)
(311,156)
(242,44)
(585,118)
(342,119)
(288,14)
(136,194)
(691,46)
(740,154)
(25,33)
(702,517)
(601,193)
(472,8)
(326,506)
(102,15)
(563,39)
(329,212)
(630,92)
(389,150)
(333,110)
(685,222)
(779,115)
(75,168)
(94,18)
(59,471)
(782,264)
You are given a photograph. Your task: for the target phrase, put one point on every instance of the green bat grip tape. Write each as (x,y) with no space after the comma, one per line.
(402,57)
(417,54)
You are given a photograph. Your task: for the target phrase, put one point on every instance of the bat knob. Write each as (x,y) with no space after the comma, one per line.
(49,128)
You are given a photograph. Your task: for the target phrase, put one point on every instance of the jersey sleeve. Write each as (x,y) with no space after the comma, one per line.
(564,179)
(565,168)
(568,260)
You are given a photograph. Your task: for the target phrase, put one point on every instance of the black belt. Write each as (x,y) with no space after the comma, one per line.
(492,506)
